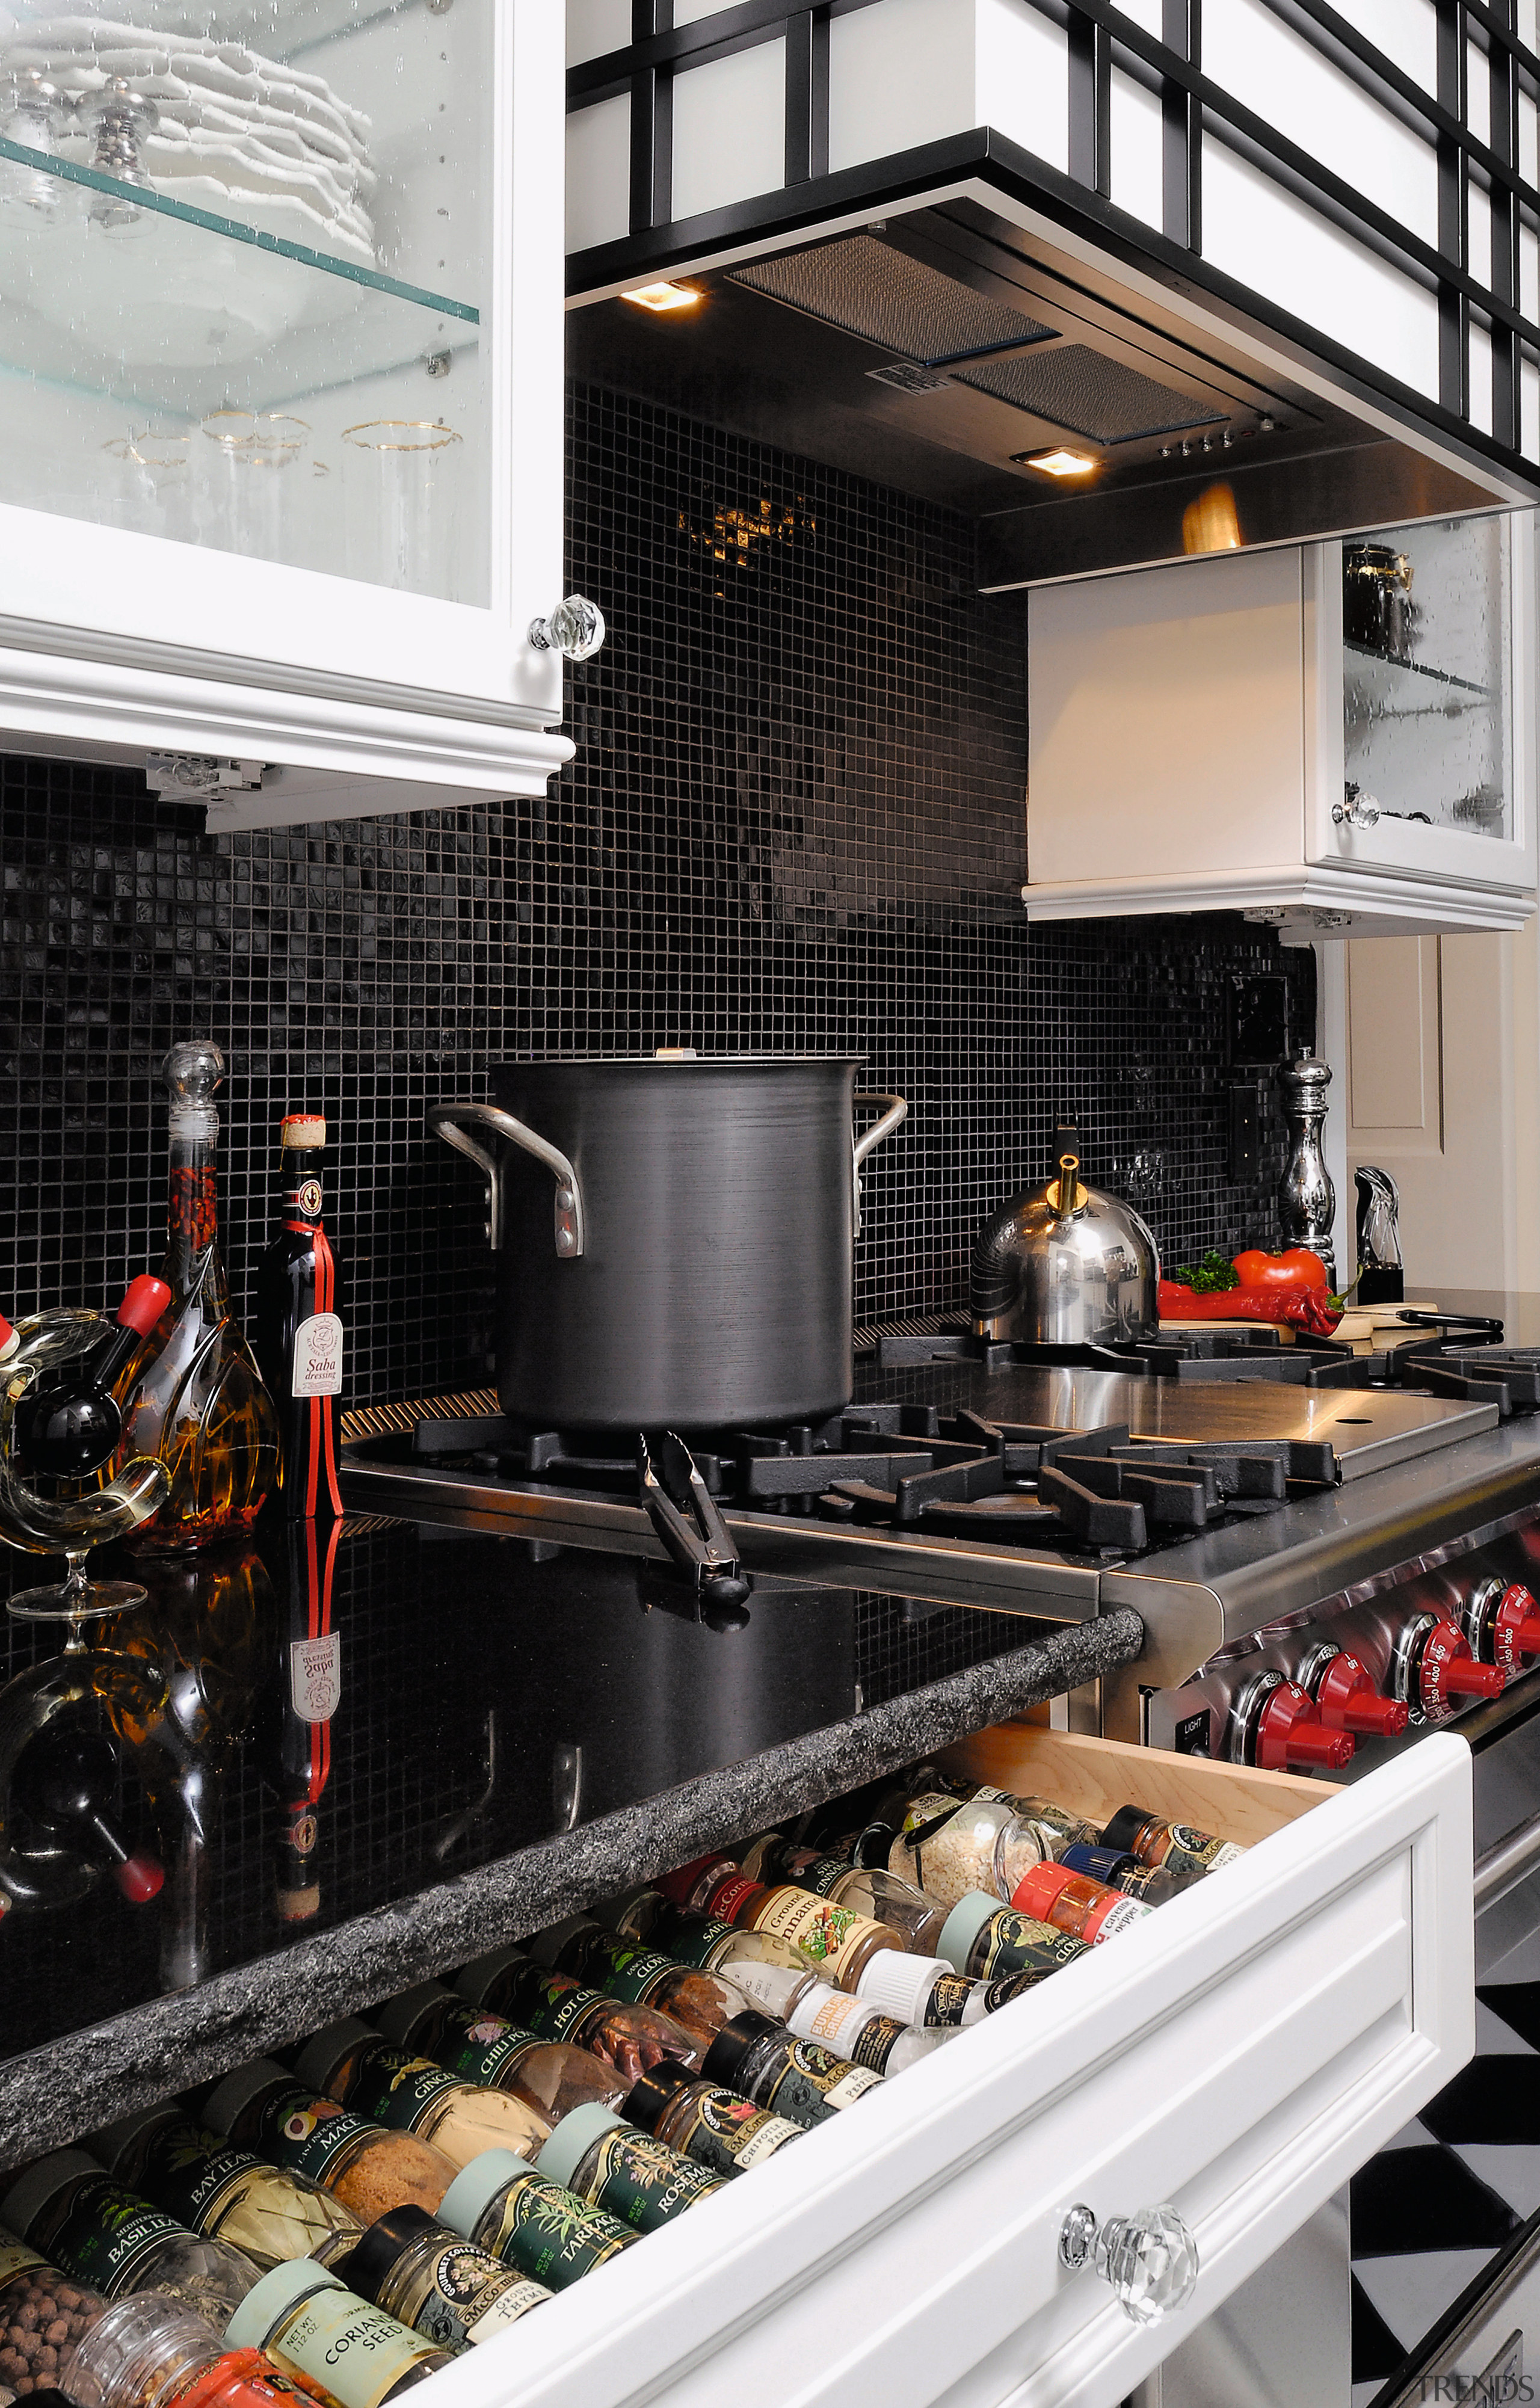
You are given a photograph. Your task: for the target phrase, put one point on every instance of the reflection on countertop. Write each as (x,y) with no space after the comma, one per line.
(342,1716)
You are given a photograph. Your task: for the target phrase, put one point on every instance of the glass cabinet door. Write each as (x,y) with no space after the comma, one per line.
(244,277)
(1428,690)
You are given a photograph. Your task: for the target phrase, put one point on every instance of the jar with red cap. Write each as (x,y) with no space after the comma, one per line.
(1073,1903)
(1151,1884)
(476,2046)
(555,2006)
(147,2351)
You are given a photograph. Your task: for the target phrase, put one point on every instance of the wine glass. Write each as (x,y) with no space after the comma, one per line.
(77,1518)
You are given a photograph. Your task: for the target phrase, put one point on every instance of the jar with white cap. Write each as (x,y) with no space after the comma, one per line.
(640,2181)
(855,2029)
(356,2352)
(798,2078)
(539,2228)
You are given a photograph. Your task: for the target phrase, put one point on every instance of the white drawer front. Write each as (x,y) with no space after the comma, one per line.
(1238,2054)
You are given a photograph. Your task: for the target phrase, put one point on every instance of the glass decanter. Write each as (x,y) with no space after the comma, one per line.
(199,1405)
(68,1517)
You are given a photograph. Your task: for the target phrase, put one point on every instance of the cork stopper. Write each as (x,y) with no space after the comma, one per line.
(301,1132)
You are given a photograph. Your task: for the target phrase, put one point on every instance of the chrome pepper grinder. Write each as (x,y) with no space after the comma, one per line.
(1307,1200)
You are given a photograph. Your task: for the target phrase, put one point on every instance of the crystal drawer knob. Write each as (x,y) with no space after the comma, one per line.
(575,628)
(1357,809)
(1149,2258)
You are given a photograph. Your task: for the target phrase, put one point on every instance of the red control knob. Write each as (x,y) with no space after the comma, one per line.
(1516,1627)
(1290,1732)
(1448,1669)
(1348,1700)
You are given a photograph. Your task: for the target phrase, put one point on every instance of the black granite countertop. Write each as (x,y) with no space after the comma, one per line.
(501,1734)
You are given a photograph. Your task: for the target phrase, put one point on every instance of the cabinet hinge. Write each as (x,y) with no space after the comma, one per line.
(199,776)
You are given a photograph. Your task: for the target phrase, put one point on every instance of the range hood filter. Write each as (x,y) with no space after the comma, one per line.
(867,288)
(1073,387)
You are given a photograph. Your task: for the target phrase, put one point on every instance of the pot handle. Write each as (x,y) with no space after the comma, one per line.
(897,1110)
(449,1119)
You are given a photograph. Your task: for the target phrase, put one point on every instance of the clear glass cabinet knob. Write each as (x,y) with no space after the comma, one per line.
(1149,2258)
(1357,808)
(575,628)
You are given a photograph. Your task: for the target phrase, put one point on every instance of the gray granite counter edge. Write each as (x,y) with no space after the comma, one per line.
(54,2094)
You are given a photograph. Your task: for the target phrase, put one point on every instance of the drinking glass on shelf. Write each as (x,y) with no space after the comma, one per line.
(248,492)
(400,488)
(148,481)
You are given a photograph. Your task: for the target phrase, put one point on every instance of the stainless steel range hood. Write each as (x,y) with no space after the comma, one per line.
(939,318)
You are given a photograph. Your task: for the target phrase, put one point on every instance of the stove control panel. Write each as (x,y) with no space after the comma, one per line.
(1411,1650)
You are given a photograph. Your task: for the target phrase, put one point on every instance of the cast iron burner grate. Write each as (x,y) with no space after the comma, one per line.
(905,1468)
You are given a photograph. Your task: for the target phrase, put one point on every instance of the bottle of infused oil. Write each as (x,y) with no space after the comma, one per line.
(300,1335)
(198,1402)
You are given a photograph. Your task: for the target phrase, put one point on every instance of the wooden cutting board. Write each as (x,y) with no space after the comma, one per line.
(1357,1326)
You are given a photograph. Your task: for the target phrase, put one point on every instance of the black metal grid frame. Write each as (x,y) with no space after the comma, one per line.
(1101,38)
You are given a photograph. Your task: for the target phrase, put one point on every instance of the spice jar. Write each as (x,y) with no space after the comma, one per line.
(43,2317)
(1155,1883)
(989,1941)
(437,2283)
(640,2181)
(706,1941)
(806,2005)
(531,2222)
(214,2187)
(715,2127)
(1059,1827)
(798,2078)
(912,1919)
(358,2354)
(555,2007)
(550,2075)
(147,2351)
(836,1939)
(1174,1845)
(700,2002)
(950,1849)
(96,2228)
(1073,1903)
(404,2093)
(368,2169)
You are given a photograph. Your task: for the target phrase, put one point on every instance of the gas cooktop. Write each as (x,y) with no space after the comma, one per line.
(964,1472)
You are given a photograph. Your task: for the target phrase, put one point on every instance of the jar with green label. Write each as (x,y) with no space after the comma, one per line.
(715,2127)
(988,1940)
(437,2281)
(531,2222)
(555,2006)
(706,1941)
(552,2077)
(365,2166)
(799,2078)
(216,2187)
(407,2093)
(102,2233)
(634,2178)
(624,1969)
(360,2354)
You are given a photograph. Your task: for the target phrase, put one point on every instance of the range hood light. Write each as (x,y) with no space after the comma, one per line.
(1058,464)
(663,296)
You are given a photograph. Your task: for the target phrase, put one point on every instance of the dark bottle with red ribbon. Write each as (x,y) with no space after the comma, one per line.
(300,1331)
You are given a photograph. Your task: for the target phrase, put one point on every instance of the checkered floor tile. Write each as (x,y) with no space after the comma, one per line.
(1432,2209)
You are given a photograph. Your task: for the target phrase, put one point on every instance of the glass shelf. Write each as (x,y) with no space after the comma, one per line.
(1403,685)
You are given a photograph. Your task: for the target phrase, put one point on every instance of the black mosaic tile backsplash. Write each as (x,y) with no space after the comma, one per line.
(795,821)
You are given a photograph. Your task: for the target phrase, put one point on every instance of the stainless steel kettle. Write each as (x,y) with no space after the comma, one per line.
(1065,1264)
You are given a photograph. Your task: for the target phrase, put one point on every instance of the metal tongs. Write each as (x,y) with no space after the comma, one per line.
(682,1513)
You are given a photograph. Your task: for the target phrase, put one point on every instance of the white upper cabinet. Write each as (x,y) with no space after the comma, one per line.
(1335,737)
(281,396)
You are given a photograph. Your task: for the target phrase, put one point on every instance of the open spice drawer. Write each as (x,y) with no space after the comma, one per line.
(1238,2054)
